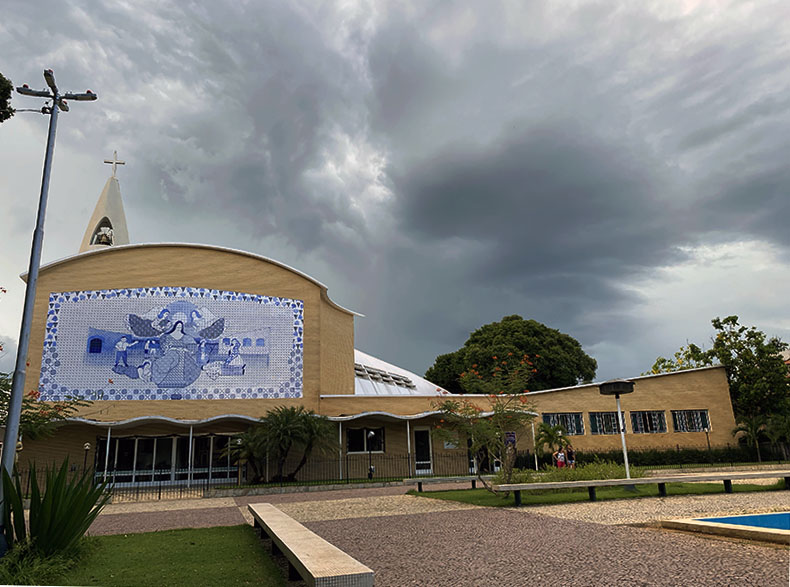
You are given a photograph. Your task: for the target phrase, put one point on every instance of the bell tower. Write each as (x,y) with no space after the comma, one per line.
(107,226)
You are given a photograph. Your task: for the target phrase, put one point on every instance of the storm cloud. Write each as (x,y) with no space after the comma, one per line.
(437,166)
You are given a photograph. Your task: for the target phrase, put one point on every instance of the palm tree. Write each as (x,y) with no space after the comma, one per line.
(283,426)
(750,427)
(551,436)
(317,434)
(250,446)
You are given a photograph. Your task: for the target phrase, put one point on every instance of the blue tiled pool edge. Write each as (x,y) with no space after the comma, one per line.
(730,530)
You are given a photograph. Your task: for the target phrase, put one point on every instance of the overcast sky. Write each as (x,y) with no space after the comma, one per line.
(616,170)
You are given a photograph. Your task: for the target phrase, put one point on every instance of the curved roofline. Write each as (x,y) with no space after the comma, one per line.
(231,417)
(110,250)
(163,419)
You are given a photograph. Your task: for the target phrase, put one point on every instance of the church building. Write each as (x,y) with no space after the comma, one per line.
(188,345)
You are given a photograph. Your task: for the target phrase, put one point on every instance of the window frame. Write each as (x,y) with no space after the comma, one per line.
(365,431)
(554,418)
(597,430)
(650,414)
(687,415)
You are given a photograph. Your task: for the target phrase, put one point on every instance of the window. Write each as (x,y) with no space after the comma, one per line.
(648,422)
(572,422)
(690,420)
(364,440)
(246,342)
(603,423)
(260,342)
(95,346)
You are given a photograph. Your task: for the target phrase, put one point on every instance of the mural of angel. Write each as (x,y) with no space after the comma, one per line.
(178,344)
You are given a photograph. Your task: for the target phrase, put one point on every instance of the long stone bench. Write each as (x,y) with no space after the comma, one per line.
(419,481)
(661,481)
(309,556)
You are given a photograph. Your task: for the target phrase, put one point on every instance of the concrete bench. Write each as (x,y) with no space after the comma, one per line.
(309,556)
(419,481)
(661,481)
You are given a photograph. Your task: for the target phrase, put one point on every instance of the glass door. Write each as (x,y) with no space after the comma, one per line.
(423,464)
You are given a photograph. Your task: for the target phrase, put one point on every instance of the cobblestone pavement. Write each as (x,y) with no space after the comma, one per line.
(412,540)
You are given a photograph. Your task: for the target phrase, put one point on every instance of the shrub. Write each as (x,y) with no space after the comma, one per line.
(59,516)
(595,470)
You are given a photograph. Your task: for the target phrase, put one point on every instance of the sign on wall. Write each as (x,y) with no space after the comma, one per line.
(156,343)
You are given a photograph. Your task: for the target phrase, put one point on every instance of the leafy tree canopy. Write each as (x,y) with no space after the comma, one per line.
(6,89)
(756,371)
(559,360)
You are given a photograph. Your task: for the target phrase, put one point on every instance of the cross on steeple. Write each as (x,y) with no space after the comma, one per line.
(114,162)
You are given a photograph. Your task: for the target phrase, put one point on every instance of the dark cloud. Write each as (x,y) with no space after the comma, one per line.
(437,166)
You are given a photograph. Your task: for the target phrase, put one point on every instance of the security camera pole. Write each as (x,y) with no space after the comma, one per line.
(56,104)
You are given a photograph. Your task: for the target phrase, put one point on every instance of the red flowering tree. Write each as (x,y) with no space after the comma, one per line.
(493,431)
(38,419)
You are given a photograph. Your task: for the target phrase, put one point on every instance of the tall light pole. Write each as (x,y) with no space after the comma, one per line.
(616,388)
(57,102)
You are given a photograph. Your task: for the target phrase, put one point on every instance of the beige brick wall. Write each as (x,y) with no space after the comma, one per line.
(328,336)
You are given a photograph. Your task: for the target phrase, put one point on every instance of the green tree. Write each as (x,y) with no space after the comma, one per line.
(492,433)
(38,419)
(279,432)
(559,360)
(551,436)
(6,89)
(750,427)
(756,372)
(755,368)
(778,431)
(688,357)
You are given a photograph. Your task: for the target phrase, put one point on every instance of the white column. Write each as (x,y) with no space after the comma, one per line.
(134,461)
(107,452)
(340,448)
(408,444)
(189,474)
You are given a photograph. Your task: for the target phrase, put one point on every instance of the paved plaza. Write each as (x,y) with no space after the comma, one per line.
(411,540)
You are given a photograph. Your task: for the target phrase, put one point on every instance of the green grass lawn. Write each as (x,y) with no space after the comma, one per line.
(208,556)
(556,496)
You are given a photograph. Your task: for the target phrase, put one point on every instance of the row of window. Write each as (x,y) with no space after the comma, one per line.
(642,422)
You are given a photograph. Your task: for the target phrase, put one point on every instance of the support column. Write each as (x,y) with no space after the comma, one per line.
(107,452)
(340,448)
(408,445)
(189,459)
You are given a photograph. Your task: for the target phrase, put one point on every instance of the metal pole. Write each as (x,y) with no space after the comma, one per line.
(534,445)
(14,410)
(621,422)
(17,389)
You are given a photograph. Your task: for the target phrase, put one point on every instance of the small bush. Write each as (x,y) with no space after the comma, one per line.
(596,470)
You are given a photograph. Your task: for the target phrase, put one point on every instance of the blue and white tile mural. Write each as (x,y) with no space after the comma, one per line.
(171,343)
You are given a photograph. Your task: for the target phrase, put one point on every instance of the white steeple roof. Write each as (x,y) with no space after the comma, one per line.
(107,226)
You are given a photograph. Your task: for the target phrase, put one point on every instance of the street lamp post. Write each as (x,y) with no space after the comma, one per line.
(707,439)
(58,103)
(371,436)
(87,448)
(616,388)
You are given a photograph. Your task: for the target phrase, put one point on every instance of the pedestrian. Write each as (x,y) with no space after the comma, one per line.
(570,455)
(560,458)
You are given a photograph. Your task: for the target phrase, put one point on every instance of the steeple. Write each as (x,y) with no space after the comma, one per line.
(107,226)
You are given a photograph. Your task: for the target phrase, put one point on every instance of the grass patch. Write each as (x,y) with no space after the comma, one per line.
(485,498)
(208,556)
